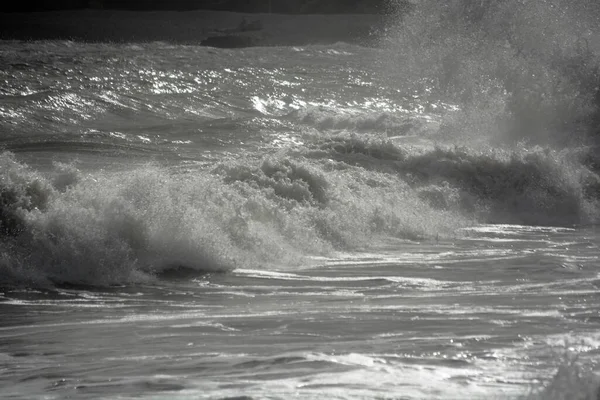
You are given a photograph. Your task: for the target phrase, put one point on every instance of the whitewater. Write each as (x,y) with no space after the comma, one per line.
(415,217)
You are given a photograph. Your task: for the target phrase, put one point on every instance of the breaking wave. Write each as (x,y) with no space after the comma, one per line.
(472,113)
(536,185)
(117,227)
(336,191)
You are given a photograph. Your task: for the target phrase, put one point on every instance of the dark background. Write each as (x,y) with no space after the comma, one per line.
(275,6)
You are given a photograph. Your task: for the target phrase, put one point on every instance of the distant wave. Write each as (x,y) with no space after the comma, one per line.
(528,186)
(396,123)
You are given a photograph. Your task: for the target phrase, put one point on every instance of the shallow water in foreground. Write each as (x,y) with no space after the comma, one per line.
(493,315)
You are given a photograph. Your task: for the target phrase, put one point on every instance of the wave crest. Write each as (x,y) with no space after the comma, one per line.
(117,227)
(526,186)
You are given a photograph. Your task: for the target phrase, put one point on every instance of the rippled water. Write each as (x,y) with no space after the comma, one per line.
(494,314)
(291,222)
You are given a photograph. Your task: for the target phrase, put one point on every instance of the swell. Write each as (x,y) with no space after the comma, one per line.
(110,92)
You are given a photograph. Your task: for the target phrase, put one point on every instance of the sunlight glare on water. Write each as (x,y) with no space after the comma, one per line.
(413,220)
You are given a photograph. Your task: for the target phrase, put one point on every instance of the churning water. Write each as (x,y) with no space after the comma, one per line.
(409,220)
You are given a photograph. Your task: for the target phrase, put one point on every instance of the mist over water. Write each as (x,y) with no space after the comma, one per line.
(515,86)
(520,71)
(436,196)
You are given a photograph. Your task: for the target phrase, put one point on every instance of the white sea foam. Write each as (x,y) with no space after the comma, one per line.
(111,227)
(115,227)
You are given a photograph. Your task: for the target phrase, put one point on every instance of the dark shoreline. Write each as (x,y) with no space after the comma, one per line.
(214,28)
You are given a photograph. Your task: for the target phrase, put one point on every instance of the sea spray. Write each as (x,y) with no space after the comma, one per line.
(574,379)
(517,70)
(335,191)
(527,185)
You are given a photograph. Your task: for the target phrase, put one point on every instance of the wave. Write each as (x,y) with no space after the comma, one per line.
(536,186)
(106,228)
(337,191)
(483,124)
(356,120)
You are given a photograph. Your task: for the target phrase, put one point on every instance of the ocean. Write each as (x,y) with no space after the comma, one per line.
(411,219)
